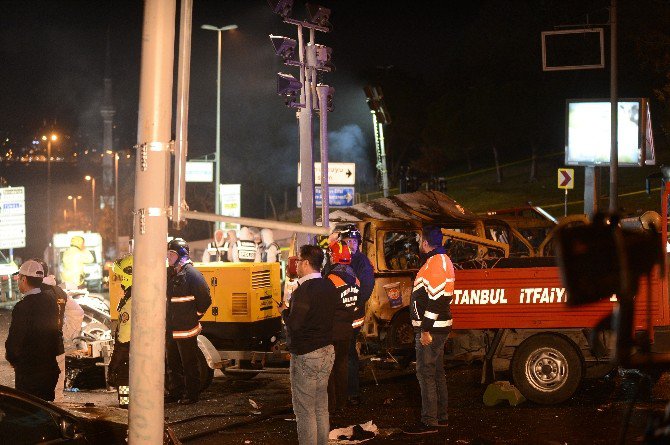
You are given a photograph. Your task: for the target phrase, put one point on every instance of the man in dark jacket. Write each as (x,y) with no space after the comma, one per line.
(431,318)
(309,329)
(362,267)
(188,299)
(34,339)
(343,277)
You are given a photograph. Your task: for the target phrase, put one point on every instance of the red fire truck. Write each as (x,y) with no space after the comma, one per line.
(509,306)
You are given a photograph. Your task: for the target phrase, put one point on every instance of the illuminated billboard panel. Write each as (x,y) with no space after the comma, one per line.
(588,133)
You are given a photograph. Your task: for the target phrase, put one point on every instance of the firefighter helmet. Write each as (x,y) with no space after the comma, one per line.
(123,268)
(350,231)
(339,253)
(178,246)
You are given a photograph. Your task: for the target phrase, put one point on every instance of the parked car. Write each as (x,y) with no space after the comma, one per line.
(25,419)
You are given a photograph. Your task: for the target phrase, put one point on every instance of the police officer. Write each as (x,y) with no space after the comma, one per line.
(119,364)
(188,298)
(362,267)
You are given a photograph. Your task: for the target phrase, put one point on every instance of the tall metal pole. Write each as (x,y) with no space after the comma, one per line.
(49,233)
(306,144)
(93,202)
(217,156)
(116,203)
(181,138)
(322,92)
(147,363)
(382,160)
(614,102)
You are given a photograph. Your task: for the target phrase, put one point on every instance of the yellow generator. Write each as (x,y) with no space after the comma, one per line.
(243,323)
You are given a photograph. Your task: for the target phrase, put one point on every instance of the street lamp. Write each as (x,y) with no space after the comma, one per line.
(217,156)
(52,137)
(74,200)
(92,179)
(116,202)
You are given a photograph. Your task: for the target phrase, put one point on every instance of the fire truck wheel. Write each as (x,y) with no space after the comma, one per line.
(400,335)
(547,369)
(206,373)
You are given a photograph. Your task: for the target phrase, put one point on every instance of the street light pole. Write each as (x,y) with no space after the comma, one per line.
(52,137)
(92,179)
(116,203)
(74,204)
(217,156)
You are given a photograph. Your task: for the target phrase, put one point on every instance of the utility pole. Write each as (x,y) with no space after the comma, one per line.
(147,364)
(614,102)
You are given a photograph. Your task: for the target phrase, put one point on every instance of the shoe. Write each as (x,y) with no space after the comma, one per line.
(420,428)
(187,401)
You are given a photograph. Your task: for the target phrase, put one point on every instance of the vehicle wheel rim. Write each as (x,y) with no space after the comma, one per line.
(404,336)
(546,369)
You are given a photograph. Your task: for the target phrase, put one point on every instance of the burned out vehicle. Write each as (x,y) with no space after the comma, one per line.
(509,302)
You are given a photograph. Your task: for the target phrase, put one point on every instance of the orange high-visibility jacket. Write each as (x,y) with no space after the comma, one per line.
(432,293)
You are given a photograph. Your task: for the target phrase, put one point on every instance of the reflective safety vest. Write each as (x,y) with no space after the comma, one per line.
(246,251)
(431,295)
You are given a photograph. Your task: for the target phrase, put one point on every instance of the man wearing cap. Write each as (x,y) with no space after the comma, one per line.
(33,340)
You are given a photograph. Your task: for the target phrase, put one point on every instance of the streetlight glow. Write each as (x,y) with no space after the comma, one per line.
(217,157)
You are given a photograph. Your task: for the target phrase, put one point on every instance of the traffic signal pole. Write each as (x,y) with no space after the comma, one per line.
(147,364)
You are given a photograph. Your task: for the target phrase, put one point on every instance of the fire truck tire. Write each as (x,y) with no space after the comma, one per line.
(206,373)
(547,369)
(400,334)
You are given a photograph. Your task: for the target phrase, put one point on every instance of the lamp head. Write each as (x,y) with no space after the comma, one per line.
(288,86)
(318,15)
(281,7)
(284,47)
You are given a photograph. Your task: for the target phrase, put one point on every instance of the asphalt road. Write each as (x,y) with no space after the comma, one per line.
(225,414)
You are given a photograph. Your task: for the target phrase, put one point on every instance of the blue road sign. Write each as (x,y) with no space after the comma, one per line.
(339,196)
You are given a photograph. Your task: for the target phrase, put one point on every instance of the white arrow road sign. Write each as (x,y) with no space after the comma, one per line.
(339,173)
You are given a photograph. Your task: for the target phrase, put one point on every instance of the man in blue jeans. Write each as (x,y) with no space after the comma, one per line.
(431,319)
(309,331)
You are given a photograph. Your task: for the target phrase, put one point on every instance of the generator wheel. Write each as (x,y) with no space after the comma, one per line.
(246,375)
(206,373)
(547,369)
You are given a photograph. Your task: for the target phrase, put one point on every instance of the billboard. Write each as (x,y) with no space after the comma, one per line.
(230,199)
(12,217)
(588,136)
(199,171)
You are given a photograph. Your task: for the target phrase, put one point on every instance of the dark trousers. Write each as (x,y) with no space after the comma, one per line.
(338,381)
(353,365)
(433,382)
(40,382)
(182,361)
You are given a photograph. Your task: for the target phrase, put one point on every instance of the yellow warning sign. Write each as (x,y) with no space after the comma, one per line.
(566,178)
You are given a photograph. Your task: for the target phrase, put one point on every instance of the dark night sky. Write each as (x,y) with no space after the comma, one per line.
(53,57)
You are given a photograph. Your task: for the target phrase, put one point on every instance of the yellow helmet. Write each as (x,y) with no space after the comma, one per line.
(77,241)
(123,268)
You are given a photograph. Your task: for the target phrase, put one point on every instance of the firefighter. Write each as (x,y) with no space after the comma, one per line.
(343,277)
(188,298)
(362,267)
(74,258)
(431,319)
(118,375)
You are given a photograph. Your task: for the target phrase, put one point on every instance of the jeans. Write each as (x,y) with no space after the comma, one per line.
(432,380)
(337,383)
(353,388)
(309,394)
